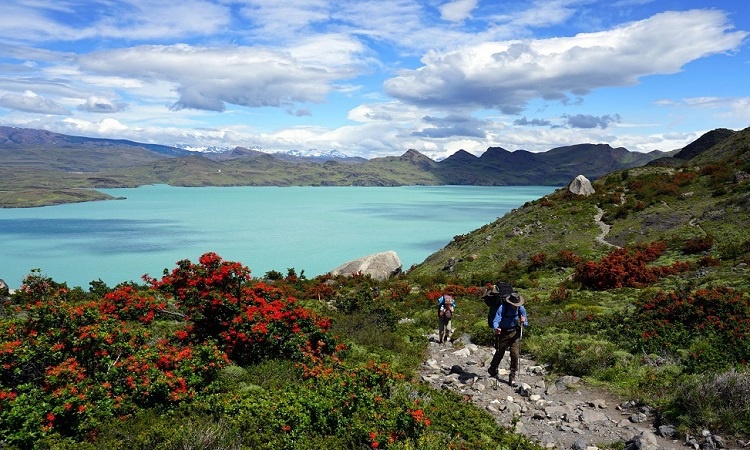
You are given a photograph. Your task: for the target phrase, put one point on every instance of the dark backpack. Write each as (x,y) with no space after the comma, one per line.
(494,297)
(447,313)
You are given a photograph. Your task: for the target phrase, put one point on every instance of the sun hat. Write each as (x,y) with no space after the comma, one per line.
(515,299)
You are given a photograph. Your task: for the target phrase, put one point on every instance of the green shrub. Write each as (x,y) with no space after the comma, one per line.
(719,401)
(585,357)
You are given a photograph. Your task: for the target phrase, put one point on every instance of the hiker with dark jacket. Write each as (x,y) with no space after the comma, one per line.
(446,307)
(509,320)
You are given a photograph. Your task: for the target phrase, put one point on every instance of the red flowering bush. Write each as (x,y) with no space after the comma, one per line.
(566,258)
(69,362)
(626,267)
(559,295)
(251,322)
(698,244)
(712,324)
(538,261)
(67,365)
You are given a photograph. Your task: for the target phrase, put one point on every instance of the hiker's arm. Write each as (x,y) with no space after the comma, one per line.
(524,319)
(496,321)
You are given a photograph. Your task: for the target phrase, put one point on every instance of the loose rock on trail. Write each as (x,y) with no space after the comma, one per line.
(563,413)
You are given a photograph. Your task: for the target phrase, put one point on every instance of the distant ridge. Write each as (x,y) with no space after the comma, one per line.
(26,136)
(39,159)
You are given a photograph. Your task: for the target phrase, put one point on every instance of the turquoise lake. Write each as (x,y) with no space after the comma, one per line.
(314,229)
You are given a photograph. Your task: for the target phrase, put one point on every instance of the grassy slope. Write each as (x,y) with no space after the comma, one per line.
(700,198)
(561,221)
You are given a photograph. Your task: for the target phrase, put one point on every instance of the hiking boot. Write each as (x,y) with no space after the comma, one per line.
(492,372)
(512,381)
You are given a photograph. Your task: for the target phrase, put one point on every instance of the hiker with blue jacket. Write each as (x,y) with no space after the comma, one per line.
(509,320)
(446,306)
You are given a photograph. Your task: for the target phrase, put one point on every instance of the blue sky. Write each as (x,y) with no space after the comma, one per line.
(375,78)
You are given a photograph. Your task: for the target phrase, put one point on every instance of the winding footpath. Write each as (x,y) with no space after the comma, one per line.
(603,227)
(562,413)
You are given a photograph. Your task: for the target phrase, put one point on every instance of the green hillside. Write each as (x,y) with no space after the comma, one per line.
(651,303)
(657,308)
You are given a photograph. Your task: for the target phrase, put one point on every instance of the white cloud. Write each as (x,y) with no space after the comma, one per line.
(736,109)
(457,10)
(507,75)
(31,102)
(137,20)
(544,13)
(104,127)
(208,78)
(101,105)
(276,20)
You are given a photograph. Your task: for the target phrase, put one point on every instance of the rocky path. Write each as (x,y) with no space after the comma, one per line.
(603,227)
(562,413)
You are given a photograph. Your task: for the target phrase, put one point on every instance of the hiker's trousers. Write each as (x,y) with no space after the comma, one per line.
(507,339)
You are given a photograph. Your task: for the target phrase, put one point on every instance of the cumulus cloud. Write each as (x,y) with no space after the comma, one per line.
(208,78)
(507,75)
(101,105)
(450,126)
(590,121)
(31,102)
(533,122)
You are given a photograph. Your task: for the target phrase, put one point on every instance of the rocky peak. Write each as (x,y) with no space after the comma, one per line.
(418,159)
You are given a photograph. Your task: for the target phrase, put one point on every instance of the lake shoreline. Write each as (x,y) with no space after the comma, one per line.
(311,229)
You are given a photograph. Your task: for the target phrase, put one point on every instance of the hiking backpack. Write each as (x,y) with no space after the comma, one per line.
(447,313)
(494,297)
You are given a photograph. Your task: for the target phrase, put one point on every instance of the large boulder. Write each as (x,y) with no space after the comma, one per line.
(379,266)
(581,186)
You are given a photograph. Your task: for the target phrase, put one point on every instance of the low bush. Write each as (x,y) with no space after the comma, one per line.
(719,401)
(626,267)
(710,323)
(698,244)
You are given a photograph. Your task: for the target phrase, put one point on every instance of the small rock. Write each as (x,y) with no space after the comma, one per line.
(492,409)
(464,352)
(456,369)
(589,417)
(667,431)
(579,444)
(599,403)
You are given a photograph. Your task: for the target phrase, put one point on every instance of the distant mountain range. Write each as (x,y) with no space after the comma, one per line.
(38,159)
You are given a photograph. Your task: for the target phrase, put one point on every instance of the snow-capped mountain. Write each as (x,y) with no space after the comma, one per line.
(211,148)
(315,153)
(311,153)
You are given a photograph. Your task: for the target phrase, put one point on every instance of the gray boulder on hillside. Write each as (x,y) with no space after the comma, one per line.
(379,266)
(581,186)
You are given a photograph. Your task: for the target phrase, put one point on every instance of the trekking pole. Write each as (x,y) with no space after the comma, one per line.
(519,353)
